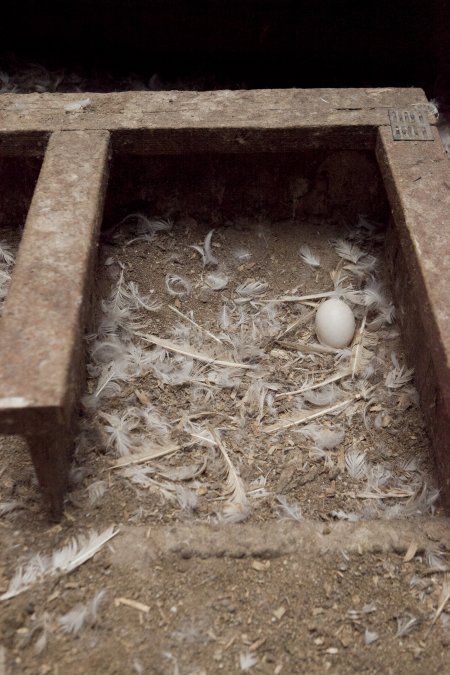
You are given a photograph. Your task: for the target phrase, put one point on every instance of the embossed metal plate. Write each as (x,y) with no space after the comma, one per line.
(410,125)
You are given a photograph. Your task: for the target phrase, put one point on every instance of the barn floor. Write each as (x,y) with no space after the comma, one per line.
(339,563)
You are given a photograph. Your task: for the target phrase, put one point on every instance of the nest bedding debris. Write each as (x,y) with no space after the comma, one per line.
(232,379)
(8,248)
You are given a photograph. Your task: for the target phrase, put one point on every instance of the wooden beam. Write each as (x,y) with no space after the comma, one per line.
(44,316)
(416,175)
(181,122)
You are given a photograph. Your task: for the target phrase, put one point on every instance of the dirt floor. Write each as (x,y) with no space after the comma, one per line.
(237,545)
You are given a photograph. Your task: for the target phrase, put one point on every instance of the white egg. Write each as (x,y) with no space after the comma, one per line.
(335,323)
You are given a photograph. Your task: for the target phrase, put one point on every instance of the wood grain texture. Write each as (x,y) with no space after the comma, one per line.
(213,121)
(41,355)
(417,181)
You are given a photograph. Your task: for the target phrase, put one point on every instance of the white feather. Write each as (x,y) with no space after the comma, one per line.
(251,289)
(216,280)
(155,421)
(119,429)
(247,660)
(76,106)
(148,225)
(77,618)
(62,561)
(234,512)
(370,636)
(177,286)
(405,625)
(96,491)
(6,255)
(398,377)
(324,438)
(205,251)
(9,507)
(138,300)
(356,464)
(234,490)
(187,499)
(224,318)
(290,510)
(347,250)
(324,396)
(309,257)
(242,254)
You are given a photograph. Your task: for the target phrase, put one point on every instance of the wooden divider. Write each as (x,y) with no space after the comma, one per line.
(41,329)
(416,175)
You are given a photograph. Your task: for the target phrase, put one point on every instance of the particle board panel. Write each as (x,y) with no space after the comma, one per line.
(219,121)
(41,329)
(417,180)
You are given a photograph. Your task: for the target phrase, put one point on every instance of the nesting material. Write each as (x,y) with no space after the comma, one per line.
(8,250)
(221,404)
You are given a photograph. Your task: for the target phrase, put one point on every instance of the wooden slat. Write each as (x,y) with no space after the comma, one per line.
(41,329)
(417,180)
(214,121)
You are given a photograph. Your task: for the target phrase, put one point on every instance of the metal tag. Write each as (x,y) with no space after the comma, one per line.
(410,125)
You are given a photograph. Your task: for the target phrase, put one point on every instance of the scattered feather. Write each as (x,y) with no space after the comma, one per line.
(290,510)
(81,616)
(9,507)
(242,254)
(187,499)
(405,625)
(43,628)
(147,226)
(194,323)
(398,377)
(224,318)
(316,385)
(216,280)
(234,512)
(6,255)
(326,395)
(119,430)
(443,599)
(137,300)
(208,258)
(435,561)
(170,346)
(177,286)
(356,464)
(251,289)
(324,438)
(370,636)
(76,106)
(247,660)
(348,251)
(237,508)
(62,561)
(305,417)
(96,491)
(308,257)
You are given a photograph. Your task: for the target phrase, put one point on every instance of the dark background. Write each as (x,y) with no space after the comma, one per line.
(240,43)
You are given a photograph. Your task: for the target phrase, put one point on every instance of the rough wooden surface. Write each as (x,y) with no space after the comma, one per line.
(41,358)
(417,180)
(213,121)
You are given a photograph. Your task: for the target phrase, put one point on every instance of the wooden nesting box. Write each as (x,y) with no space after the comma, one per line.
(336,151)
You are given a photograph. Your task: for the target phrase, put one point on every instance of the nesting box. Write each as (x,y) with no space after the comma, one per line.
(68,161)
